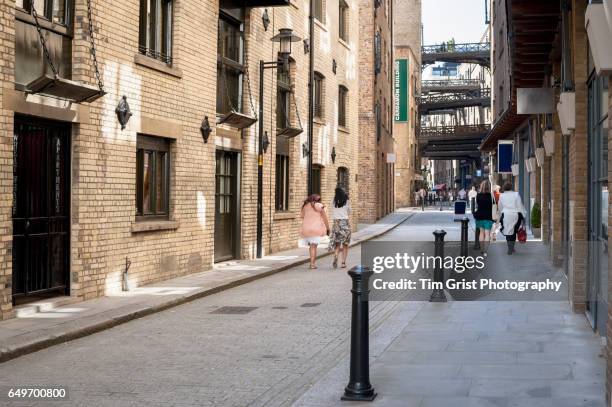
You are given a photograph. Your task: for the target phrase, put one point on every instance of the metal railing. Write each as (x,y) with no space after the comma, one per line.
(449,84)
(452,131)
(456,48)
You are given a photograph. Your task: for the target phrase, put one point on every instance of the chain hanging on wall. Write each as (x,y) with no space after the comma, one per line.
(56,86)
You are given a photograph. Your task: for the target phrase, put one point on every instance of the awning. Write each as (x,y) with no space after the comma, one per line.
(535,26)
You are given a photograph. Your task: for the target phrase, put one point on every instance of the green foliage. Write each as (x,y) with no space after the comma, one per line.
(536,215)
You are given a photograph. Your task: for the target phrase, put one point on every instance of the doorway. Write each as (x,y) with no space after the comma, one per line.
(226,205)
(41,221)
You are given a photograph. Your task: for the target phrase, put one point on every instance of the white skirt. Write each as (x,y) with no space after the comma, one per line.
(307,241)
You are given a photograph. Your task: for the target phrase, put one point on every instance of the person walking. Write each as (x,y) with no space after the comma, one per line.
(314,225)
(484,215)
(496,195)
(422,198)
(472,197)
(340,237)
(512,215)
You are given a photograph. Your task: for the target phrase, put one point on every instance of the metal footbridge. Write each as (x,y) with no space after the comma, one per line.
(472,53)
(452,142)
(432,102)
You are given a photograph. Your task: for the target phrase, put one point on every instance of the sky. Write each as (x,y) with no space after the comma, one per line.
(463,20)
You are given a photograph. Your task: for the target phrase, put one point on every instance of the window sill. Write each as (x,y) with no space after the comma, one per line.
(344,43)
(156,65)
(320,24)
(343,129)
(284,215)
(153,225)
(319,120)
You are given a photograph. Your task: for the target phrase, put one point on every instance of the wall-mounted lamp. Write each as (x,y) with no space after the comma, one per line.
(205,129)
(333,155)
(306,46)
(305,151)
(265,19)
(123,112)
(266,142)
(334,66)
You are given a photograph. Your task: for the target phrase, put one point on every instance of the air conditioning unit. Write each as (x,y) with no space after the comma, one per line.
(599,31)
(549,142)
(566,108)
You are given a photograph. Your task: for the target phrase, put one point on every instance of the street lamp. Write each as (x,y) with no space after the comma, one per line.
(284,37)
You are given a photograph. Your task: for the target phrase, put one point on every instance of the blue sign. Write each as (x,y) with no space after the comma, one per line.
(504,157)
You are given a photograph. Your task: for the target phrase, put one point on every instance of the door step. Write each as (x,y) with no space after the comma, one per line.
(37,308)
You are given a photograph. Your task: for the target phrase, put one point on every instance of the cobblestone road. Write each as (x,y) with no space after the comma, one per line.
(297,329)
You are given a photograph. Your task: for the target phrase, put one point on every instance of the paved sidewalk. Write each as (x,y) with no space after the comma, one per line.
(44,324)
(478,353)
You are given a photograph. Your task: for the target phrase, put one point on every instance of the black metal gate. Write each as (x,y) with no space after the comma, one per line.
(226,206)
(41,223)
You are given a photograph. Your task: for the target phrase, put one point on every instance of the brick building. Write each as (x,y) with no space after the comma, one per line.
(376,157)
(407,52)
(560,144)
(84,199)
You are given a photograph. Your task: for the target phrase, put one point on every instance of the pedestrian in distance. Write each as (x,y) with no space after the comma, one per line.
(340,237)
(512,215)
(484,215)
(314,225)
(472,197)
(422,198)
(496,195)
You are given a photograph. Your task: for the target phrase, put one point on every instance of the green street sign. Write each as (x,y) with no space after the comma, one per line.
(400,94)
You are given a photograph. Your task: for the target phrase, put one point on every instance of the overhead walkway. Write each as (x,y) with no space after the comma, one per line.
(472,53)
(432,102)
(452,142)
(450,85)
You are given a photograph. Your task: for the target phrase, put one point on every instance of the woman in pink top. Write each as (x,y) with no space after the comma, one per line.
(314,225)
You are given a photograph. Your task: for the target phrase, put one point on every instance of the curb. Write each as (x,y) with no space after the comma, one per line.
(49,340)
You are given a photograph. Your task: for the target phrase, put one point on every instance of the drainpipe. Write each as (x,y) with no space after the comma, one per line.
(310,91)
(567,84)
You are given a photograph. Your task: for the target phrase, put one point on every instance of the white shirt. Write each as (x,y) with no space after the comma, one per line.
(342,212)
(462,194)
(472,193)
(510,202)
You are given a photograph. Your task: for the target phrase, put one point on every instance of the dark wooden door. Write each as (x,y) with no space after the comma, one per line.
(40,208)
(226,204)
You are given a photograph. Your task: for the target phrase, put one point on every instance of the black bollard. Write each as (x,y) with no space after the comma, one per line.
(359,387)
(437,295)
(464,236)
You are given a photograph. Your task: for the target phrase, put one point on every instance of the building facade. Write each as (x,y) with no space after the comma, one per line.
(406,88)
(560,145)
(376,154)
(140,163)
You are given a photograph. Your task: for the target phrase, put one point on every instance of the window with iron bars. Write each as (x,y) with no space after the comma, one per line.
(342,105)
(155,37)
(319,95)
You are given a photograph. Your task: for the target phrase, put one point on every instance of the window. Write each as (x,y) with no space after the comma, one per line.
(343,178)
(152,177)
(156,29)
(342,104)
(52,10)
(378,121)
(316,179)
(318,95)
(377,50)
(319,10)
(283,97)
(282,182)
(230,68)
(343,14)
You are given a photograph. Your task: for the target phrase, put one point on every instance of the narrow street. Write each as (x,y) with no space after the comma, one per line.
(284,339)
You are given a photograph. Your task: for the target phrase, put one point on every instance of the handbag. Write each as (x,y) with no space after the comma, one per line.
(494,209)
(522,235)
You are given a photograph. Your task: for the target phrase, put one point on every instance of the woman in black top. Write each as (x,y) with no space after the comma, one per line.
(484,214)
